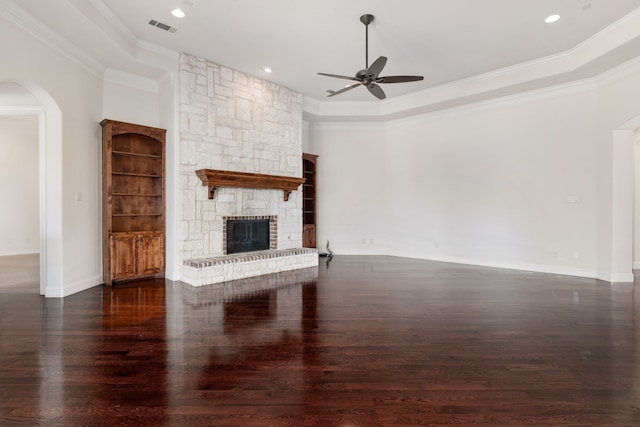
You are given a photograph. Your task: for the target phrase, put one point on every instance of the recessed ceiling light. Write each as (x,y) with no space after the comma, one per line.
(267,69)
(552,18)
(178,13)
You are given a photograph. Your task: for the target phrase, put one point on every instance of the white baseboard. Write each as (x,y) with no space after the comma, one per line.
(73,288)
(359,252)
(21,252)
(538,268)
(616,277)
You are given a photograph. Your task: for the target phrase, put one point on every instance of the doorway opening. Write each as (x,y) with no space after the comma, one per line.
(636,201)
(19,186)
(619,250)
(24,98)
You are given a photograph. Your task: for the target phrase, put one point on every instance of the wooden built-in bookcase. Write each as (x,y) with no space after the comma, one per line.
(309,163)
(133,201)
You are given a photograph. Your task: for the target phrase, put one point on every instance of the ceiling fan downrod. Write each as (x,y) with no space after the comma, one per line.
(366,19)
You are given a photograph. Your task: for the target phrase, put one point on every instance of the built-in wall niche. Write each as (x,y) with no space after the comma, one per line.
(309,164)
(133,201)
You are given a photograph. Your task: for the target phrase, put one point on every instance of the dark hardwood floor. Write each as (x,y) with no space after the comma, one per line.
(364,341)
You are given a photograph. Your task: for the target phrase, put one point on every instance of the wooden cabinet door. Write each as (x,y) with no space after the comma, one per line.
(123,256)
(151,252)
(309,236)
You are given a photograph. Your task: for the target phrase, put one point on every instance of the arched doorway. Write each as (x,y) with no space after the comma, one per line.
(622,202)
(19,191)
(50,179)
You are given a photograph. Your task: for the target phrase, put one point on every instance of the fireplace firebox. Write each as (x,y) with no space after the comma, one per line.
(249,234)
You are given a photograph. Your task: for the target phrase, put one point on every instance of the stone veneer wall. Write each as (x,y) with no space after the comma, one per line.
(233,121)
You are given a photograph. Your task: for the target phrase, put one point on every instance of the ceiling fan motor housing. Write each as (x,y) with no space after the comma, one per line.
(367,19)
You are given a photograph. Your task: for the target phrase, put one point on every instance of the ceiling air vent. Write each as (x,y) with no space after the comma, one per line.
(162,26)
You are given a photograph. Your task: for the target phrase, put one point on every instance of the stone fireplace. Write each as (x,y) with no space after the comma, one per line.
(230,121)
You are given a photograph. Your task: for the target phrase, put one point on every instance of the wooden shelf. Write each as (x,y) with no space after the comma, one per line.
(136,195)
(144,175)
(136,214)
(129,153)
(219,178)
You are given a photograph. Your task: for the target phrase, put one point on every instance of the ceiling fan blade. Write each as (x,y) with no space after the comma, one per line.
(398,79)
(376,91)
(343,90)
(377,66)
(337,76)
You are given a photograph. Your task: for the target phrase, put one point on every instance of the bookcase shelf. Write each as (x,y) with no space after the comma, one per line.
(133,201)
(309,163)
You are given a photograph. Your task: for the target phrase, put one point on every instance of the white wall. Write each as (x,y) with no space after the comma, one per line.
(636,199)
(73,229)
(618,109)
(512,182)
(82,93)
(351,194)
(491,184)
(168,116)
(19,192)
(131,99)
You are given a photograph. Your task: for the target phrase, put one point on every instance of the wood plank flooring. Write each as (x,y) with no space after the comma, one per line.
(20,274)
(363,341)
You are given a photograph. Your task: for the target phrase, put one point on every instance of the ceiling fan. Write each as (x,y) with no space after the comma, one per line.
(370,76)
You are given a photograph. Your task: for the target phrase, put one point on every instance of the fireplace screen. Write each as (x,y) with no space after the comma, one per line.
(247,235)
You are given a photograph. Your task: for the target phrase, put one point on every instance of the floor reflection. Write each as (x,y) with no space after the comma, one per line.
(370,341)
(229,341)
(133,303)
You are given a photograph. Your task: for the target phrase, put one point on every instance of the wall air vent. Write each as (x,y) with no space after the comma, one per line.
(162,26)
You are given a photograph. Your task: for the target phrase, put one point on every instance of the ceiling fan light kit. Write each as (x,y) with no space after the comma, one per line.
(370,75)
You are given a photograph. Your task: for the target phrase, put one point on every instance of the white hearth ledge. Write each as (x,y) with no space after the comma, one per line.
(216,270)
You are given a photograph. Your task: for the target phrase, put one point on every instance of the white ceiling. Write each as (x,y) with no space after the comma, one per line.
(444,40)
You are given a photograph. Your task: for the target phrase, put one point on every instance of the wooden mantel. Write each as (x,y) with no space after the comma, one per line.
(218,178)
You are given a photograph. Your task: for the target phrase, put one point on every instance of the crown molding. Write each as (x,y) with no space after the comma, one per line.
(17,16)
(131,80)
(111,18)
(159,50)
(157,56)
(610,48)
(103,19)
